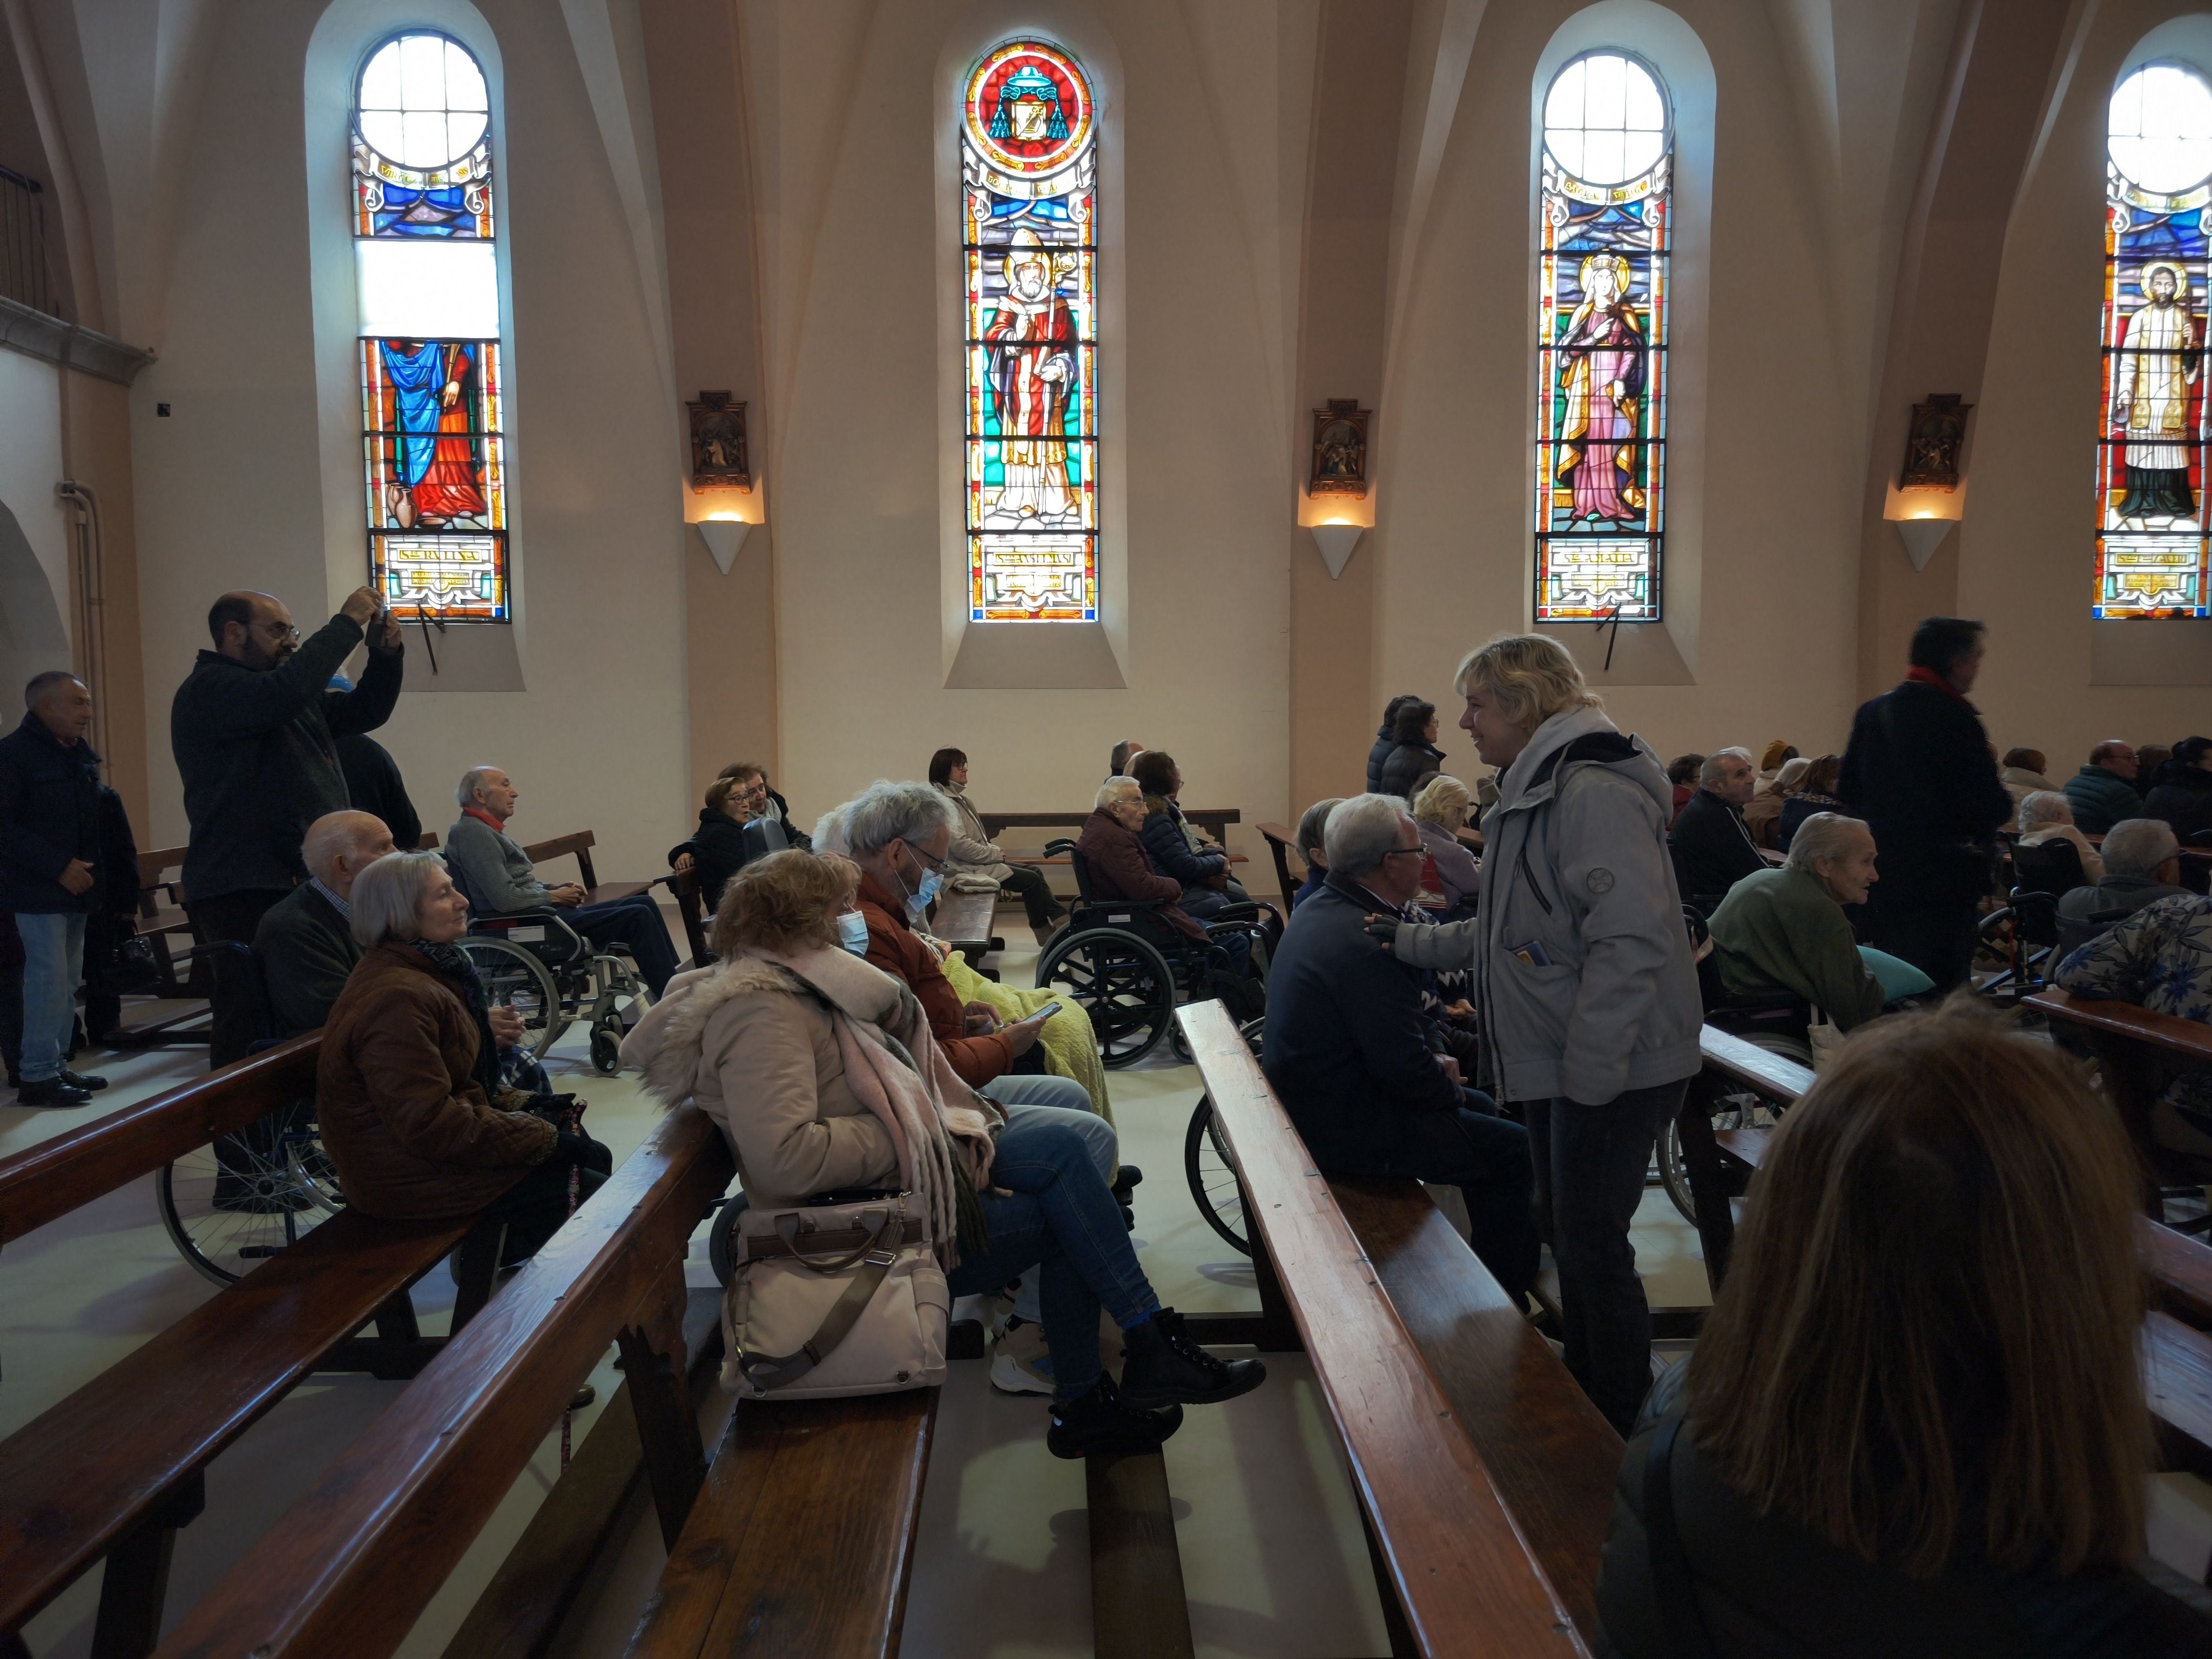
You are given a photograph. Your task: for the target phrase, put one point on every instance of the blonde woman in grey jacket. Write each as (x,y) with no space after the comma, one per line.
(1584,978)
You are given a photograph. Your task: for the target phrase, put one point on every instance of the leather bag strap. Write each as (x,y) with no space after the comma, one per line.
(787,1229)
(1671,1584)
(770,1371)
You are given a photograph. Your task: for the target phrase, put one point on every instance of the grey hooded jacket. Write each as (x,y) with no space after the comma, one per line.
(1582,963)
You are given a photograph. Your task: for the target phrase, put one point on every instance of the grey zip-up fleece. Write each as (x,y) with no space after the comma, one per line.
(1583,968)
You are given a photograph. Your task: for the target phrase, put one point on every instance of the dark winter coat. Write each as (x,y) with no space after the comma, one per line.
(1348,1048)
(374,785)
(49,814)
(255,749)
(306,952)
(1711,848)
(2101,798)
(1405,764)
(1385,741)
(1919,771)
(1119,869)
(1171,854)
(717,847)
(2183,797)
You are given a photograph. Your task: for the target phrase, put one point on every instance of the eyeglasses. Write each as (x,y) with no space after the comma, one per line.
(281,630)
(923,859)
(1405,852)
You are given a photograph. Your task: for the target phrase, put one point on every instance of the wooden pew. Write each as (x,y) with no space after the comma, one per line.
(2136,1051)
(1215,820)
(1720,1166)
(1281,842)
(580,843)
(351,1567)
(116,1468)
(690,910)
(1485,1475)
(169,933)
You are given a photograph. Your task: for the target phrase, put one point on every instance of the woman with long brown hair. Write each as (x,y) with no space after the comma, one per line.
(1915,1423)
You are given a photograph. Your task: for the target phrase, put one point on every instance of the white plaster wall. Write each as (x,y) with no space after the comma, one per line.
(35,605)
(1759,527)
(232,486)
(2027,548)
(846,111)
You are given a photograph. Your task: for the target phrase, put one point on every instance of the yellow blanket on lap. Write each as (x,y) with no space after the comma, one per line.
(1071,1049)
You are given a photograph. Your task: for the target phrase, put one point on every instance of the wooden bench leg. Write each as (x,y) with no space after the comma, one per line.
(667,1427)
(1709,1186)
(477,1266)
(137,1581)
(1137,1608)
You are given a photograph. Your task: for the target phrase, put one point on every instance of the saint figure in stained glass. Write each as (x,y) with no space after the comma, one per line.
(1029,182)
(1601,254)
(1603,381)
(2150,461)
(427,288)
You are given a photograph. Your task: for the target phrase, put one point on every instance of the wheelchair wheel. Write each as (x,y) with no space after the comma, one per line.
(606,1050)
(230,1206)
(515,978)
(1729,1112)
(1213,1181)
(1121,981)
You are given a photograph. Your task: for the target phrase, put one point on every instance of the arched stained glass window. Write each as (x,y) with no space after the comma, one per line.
(1602,242)
(427,284)
(2150,456)
(1029,187)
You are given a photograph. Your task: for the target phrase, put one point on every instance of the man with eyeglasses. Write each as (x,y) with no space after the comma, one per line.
(252,729)
(1358,1066)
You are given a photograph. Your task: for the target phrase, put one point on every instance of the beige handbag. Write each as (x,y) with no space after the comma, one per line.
(832,1300)
(1827,1039)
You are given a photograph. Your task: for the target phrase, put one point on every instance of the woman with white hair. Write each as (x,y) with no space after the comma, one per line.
(1439,809)
(2047,815)
(1312,823)
(1785,930)
(410,1101)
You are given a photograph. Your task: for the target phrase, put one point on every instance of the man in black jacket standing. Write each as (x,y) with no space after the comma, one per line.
(1358,1066)
(49,861)
(254,727)
(1920,772)
(1712,850)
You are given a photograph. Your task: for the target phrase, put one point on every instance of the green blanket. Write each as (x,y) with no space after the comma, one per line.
(1070,1047)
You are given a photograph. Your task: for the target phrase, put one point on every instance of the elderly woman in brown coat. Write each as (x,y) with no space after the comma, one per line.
(411,1108)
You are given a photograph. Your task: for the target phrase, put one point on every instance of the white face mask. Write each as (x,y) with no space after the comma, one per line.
(853,932)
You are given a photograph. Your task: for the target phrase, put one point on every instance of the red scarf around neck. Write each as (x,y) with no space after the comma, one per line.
(1930,677)
(482,816)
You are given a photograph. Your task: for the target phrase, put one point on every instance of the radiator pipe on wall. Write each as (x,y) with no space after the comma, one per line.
(91,599)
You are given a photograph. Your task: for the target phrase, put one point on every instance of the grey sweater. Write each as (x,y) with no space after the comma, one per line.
(497,873)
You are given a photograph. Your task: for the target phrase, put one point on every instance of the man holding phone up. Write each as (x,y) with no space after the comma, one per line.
(252,729)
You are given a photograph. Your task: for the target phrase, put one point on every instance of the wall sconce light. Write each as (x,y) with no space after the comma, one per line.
(1336,539)
(1922,537)
(723,537)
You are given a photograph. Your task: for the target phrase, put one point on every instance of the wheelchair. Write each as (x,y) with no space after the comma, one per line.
(1205,1166)
(232,1204)
(1128,967)
(535,962)
(2023,933)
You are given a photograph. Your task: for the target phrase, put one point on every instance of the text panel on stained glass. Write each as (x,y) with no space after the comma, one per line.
(1029,255)
(432,417)
(2151,533)
(1602,247)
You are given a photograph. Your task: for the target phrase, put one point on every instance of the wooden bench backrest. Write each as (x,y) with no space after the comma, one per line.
(81,1164)
(1769,1076)
(1464,1577)
(580,843)
(2185,1037)
(1215,820)
(351,1567)
(691,910)
(1280,840)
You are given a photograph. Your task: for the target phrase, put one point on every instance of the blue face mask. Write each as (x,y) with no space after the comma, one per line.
(931,884)
(853,932)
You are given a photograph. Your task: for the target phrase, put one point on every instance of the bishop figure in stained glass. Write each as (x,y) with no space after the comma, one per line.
(1032,341)
(1601,374)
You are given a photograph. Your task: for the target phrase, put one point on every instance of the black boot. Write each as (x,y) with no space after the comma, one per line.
(1101,1423)
(51,1092)
(1161,1364)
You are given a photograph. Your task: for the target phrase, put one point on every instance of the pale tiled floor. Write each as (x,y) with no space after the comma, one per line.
(1273,1560)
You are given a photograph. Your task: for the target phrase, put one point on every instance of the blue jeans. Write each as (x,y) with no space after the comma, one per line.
(53,962)
(1590,1162)
(1062,1220)
(634,921)
(1064,1101)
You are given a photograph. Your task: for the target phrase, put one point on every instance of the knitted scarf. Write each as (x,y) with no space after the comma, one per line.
(454,967)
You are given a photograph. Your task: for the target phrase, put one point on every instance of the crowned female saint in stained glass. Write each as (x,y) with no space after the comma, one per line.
(1603,380)
(1028,177)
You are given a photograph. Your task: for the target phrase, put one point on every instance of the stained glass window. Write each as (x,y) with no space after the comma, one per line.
(426,285)
(1602,244)
(1029,188)
(2150,452)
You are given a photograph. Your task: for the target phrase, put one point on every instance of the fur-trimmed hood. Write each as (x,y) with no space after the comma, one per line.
(668,1043)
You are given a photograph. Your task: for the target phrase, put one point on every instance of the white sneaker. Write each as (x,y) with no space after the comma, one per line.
(1020,1362)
